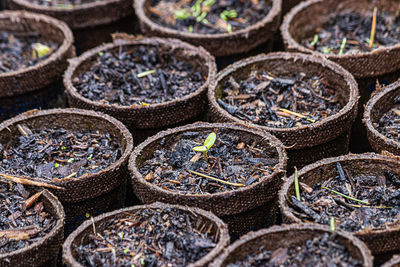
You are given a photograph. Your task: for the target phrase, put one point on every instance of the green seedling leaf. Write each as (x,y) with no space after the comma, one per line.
(228,14)
(210,140)
(181,14)
(332,223)
(145,73)
(201,17)
(56,165)
(296,184)
(90,157)
(196,8)
(40,50)
(200,149)
(190,28)
(342,46)
(63,148)
(142,262)
(100,54)
(326,50)
(209,2)
(315,41)
(229,29)
(71,160)
(126,251)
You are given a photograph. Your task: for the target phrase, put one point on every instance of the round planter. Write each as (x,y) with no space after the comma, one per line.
(307,143)
(288,236)
(243,209)
(92,193)
(92,23)
(394,262)
(153,116)
(39,85)
(379,241)
(377,106)
(222,44)
(45,251)
(216,226)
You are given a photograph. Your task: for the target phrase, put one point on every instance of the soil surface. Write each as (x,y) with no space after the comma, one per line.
(230,160)
(267,100)
(358,203)
(16,50)
(62,3)
(208,16)
(389,123)
(323,250)
(23,220)
(118,77)
(58,153)
(149,237)
(356,28)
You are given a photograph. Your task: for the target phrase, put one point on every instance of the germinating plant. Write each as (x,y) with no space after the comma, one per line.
(208,143)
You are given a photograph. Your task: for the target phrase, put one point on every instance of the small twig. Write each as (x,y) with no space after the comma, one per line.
(373,28)
(145,73)
(296,114)
(215,179)
(29,202)
(345,196)
(296,184)
(29,182)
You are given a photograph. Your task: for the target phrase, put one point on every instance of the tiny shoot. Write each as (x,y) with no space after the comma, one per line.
(181,14)
(228,14)
(326,50)
(145,73)
(332,223)
(315,40)
(40,50)
(296,184)
(208,143)
(342,46)
(373,29)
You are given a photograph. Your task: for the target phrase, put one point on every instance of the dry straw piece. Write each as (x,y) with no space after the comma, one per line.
(242,208)
(307,143)
(45,251)
(380,103)
(297,24)
(90,193)
(46,72)
(289,235)
(218,228)
(153,115)
(379,241)
(223,44)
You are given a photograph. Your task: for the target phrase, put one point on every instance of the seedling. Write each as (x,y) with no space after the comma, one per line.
(373,28)
(181,14)
(228,14)
(56,165)
(190,28)
(145,73)
(296,184)
(315,41)
(332,223)
(342,46)
(40,50)
(326,50)
(208,143)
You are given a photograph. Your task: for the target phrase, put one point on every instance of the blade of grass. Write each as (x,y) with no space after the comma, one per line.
(342,46)
(345,196)
(373,28)
(332,223)
(215,179)
(296,184)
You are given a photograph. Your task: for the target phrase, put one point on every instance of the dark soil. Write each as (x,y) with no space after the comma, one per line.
(204,16)
(380,194)
(58,153)
(113,78)
(357,29)
(16,50)
(62,3)
(389,123)
(230,160)
(323,250)
(149,237)
(20,224)
(262,96)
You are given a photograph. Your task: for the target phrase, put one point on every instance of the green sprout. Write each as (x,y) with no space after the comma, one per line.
(40,50)
(145,73)
(332,223)
(326,50)
(121,234)
(196,8)
(190,28)
(315,41)
(63,148)
(181,14)
(71,160)
(228,14)
(142,262)
(342,46)
(201,17)
(126,251)
(208,143)
(100,53)
(229,28)
(296,184)
(56,165)
(90,157)
(209,2)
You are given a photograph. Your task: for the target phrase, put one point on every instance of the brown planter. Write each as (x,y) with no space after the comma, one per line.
(286,236)
(378,241)
(377,106)
(90,193)
(219,45)
(92,23)
(45,251)
(79,235)
(244,209)
(305,144)
(394,262)
(154,116)
(39,85)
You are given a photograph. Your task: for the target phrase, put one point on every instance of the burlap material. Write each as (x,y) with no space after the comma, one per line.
(89,186)
(394,262)
(377,106)
(232,203)
(45,251)
(222,44)
(154,115)
(45,72)
(304,138)
(378,241)
(216,226)
(297,25)
(286,236)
